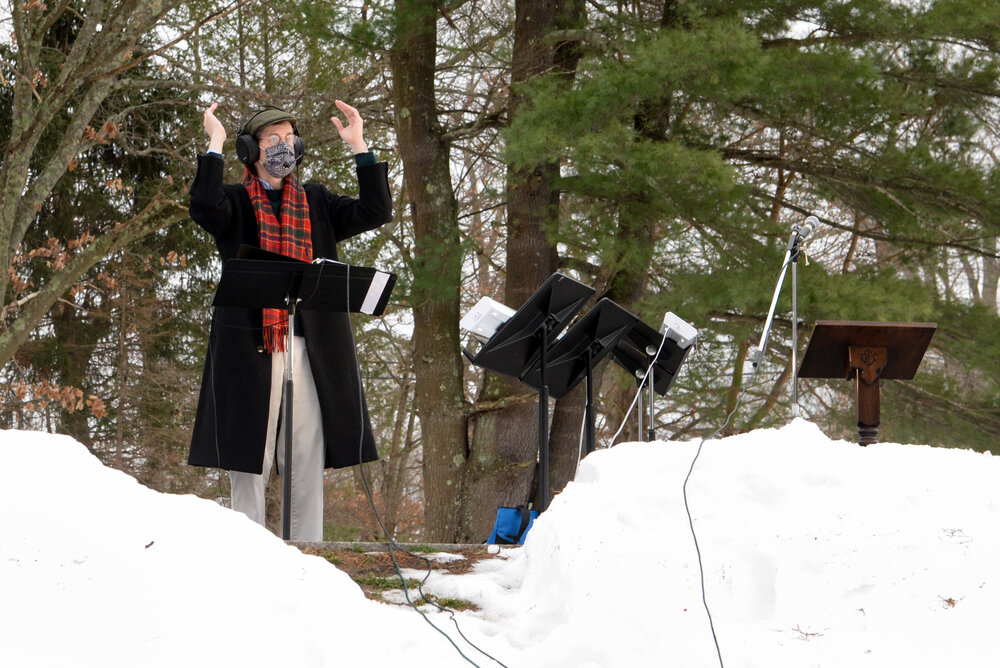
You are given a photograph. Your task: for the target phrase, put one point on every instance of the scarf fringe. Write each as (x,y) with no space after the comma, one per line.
(275,337)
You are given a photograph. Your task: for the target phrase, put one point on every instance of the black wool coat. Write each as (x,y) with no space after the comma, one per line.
(230,426)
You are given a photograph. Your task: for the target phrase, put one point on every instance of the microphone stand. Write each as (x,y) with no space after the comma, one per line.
(639,409)
(794,248)
(794,259)
(651,433)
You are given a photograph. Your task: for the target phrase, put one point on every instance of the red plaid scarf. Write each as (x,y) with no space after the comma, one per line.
(291,237)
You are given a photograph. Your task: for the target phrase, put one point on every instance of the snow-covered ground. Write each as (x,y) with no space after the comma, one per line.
(815,552)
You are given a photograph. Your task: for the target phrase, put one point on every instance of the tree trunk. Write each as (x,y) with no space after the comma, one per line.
(437,257)
(122,373)
(505,440)
(394,470)
(991,277)
(567,425)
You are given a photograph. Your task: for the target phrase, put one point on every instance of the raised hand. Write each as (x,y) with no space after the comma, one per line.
(353,132)
(214,129)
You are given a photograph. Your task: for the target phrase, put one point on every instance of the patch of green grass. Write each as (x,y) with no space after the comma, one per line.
(456,604)
(382,583)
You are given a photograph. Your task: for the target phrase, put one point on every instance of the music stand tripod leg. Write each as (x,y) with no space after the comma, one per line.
(287,394)
(589,408)
(543,429)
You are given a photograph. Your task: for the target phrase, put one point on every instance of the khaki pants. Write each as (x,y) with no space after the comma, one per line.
(307,451)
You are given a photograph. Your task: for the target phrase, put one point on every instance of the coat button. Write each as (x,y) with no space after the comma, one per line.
(260,349)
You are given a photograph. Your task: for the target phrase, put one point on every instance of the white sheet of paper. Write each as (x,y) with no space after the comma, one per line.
(375,290)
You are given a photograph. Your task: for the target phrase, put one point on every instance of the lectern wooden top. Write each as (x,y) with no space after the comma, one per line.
(905,343)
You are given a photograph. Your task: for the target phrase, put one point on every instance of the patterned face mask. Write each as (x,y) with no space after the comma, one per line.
(279,160)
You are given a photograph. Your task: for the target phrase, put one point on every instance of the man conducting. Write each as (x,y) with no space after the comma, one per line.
(238,420)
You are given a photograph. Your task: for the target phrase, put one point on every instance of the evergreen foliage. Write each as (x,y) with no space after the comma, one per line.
(722,123)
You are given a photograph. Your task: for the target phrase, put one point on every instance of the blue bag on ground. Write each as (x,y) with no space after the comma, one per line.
(512,525)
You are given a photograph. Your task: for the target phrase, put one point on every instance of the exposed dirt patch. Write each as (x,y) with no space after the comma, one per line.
(375,572)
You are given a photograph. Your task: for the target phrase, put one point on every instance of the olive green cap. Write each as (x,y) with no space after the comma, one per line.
(265,117)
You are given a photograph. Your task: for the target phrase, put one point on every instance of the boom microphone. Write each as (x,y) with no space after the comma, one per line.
(807,227)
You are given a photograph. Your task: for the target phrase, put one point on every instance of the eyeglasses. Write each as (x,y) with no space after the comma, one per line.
(274,140)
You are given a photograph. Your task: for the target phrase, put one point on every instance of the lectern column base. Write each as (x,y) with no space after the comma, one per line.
(866,401)
(867,363)
(867,435)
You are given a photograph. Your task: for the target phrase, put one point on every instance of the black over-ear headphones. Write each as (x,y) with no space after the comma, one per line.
(248,148)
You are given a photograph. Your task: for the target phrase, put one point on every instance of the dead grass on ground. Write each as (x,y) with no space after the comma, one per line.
(375,573)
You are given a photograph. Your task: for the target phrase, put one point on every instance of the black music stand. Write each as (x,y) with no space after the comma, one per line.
(318,285)
(573,356)
(521,343)
(635,353)
(286,283)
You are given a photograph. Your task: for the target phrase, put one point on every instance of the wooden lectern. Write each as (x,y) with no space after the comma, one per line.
(868,352)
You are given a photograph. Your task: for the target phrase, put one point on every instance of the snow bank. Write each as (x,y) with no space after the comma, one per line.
(816,553)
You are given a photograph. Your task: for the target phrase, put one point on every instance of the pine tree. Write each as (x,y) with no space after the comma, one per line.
(717,125)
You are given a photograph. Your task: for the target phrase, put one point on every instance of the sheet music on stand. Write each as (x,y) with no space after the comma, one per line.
(367,291)
(376,288)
